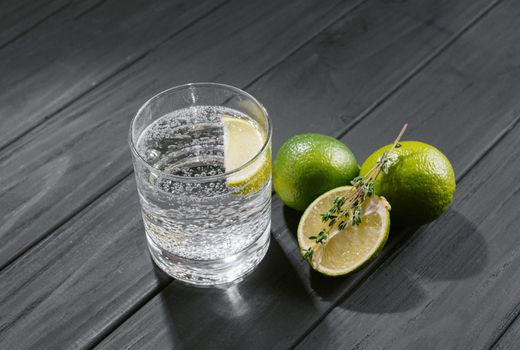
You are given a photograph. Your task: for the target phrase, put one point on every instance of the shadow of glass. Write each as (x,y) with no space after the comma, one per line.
(271,301)
(161,276)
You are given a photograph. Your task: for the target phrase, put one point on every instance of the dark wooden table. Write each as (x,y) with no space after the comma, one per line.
(75,272)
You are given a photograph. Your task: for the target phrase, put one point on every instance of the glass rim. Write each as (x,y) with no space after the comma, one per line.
(207,177)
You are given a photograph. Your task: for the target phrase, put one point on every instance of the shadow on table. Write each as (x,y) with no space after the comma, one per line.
(332,288)
(450,248)
(292,219)
(278,301)
(269,302)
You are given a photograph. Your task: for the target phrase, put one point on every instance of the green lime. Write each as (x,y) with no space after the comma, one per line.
(419,186)
(308,165)
(348,249)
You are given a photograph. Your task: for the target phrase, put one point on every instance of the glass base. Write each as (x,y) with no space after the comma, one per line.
(211,273)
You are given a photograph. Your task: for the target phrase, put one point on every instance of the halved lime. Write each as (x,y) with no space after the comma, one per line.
(242,142)
(348,249)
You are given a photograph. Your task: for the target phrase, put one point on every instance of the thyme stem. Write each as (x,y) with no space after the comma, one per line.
(347,209)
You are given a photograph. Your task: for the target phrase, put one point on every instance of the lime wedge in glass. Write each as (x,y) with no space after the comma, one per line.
(243,140)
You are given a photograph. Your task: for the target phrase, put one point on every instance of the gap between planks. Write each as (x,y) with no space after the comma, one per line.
(34,26)
(509,324)
(90,9)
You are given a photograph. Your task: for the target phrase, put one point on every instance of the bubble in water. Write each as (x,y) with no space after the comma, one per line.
(152,155)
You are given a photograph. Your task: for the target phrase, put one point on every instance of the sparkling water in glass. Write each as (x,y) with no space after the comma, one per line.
(205,224)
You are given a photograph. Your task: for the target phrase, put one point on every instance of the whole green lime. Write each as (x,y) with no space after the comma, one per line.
(419,186)
(309,165)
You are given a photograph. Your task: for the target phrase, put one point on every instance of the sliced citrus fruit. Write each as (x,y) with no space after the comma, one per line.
(347,249)
(243,140)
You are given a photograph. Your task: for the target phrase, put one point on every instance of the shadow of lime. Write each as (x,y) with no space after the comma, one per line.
(334,289)
(451,248)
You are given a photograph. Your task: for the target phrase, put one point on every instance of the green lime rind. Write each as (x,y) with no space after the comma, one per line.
(419,186)
(309,165)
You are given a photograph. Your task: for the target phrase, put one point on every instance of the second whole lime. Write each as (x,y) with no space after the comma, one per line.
(419,186)
(309,165)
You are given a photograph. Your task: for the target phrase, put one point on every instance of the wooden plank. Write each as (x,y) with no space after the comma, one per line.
(279,278)
(19,17)
(48,164)
(511,337)
(468,72)
(77,49)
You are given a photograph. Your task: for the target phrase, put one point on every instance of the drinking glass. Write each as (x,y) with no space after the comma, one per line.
(206,223)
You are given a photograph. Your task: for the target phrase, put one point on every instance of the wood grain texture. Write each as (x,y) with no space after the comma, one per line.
(77,49)
(511,337)
(473,59)
(282,286)
(19,17)
(63,162)
(89,266)
(357,63)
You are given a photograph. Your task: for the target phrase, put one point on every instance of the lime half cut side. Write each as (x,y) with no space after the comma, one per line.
(243,140)
(348,249)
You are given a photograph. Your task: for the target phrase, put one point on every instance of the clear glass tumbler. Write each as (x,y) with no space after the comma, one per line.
(202,160)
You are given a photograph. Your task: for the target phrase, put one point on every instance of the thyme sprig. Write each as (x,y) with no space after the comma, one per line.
(347,209)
